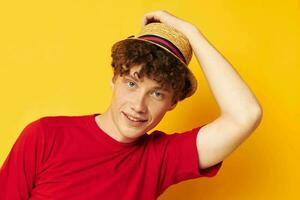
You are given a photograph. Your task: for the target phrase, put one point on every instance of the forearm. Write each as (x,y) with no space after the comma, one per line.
(232,94)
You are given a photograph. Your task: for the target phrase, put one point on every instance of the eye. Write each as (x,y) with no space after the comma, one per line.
(158,95)
(130,84)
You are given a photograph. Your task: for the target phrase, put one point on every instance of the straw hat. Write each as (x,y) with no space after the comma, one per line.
(171,40)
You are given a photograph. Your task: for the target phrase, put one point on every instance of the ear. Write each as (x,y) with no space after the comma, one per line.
(112,84)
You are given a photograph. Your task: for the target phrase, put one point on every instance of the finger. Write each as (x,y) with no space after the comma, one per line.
(147,19)
(144,20)
(150,17)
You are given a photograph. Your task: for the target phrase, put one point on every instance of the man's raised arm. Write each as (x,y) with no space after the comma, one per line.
(240,111)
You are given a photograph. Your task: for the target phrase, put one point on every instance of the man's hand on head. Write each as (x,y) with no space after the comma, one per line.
(169,19)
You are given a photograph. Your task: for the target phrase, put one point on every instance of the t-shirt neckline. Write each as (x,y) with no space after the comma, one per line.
(107,138)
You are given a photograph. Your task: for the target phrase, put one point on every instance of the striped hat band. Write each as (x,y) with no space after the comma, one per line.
(165,43)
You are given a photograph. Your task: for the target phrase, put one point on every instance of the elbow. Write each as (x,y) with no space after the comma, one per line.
(252,118)
(249,117)
(257,113)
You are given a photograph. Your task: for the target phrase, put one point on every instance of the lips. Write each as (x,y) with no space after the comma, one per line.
(134,118)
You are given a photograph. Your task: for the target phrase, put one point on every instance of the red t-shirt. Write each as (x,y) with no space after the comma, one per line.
(70,157)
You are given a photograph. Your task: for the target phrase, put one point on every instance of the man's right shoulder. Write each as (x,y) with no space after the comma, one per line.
(56,121)
(61,118)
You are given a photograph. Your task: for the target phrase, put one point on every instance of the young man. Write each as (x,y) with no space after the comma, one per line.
(109,155)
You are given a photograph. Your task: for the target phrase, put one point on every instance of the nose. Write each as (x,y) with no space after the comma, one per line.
(139,104)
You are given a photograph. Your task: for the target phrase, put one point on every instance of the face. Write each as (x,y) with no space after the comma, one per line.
(138,105)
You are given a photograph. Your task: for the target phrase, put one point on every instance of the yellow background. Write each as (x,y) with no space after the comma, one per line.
(55,60)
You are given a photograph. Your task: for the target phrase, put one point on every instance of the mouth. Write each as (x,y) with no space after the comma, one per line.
(134,118)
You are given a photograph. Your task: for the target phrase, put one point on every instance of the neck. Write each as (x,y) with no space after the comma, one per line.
(105,122)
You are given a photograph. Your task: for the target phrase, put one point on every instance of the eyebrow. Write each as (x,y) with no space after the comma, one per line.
(134,78)
(156,87)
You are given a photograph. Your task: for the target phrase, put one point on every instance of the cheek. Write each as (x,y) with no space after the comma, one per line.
(120,96)
(157,111)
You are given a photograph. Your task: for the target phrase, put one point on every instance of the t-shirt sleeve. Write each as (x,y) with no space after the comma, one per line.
(179,159)
(19,170)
